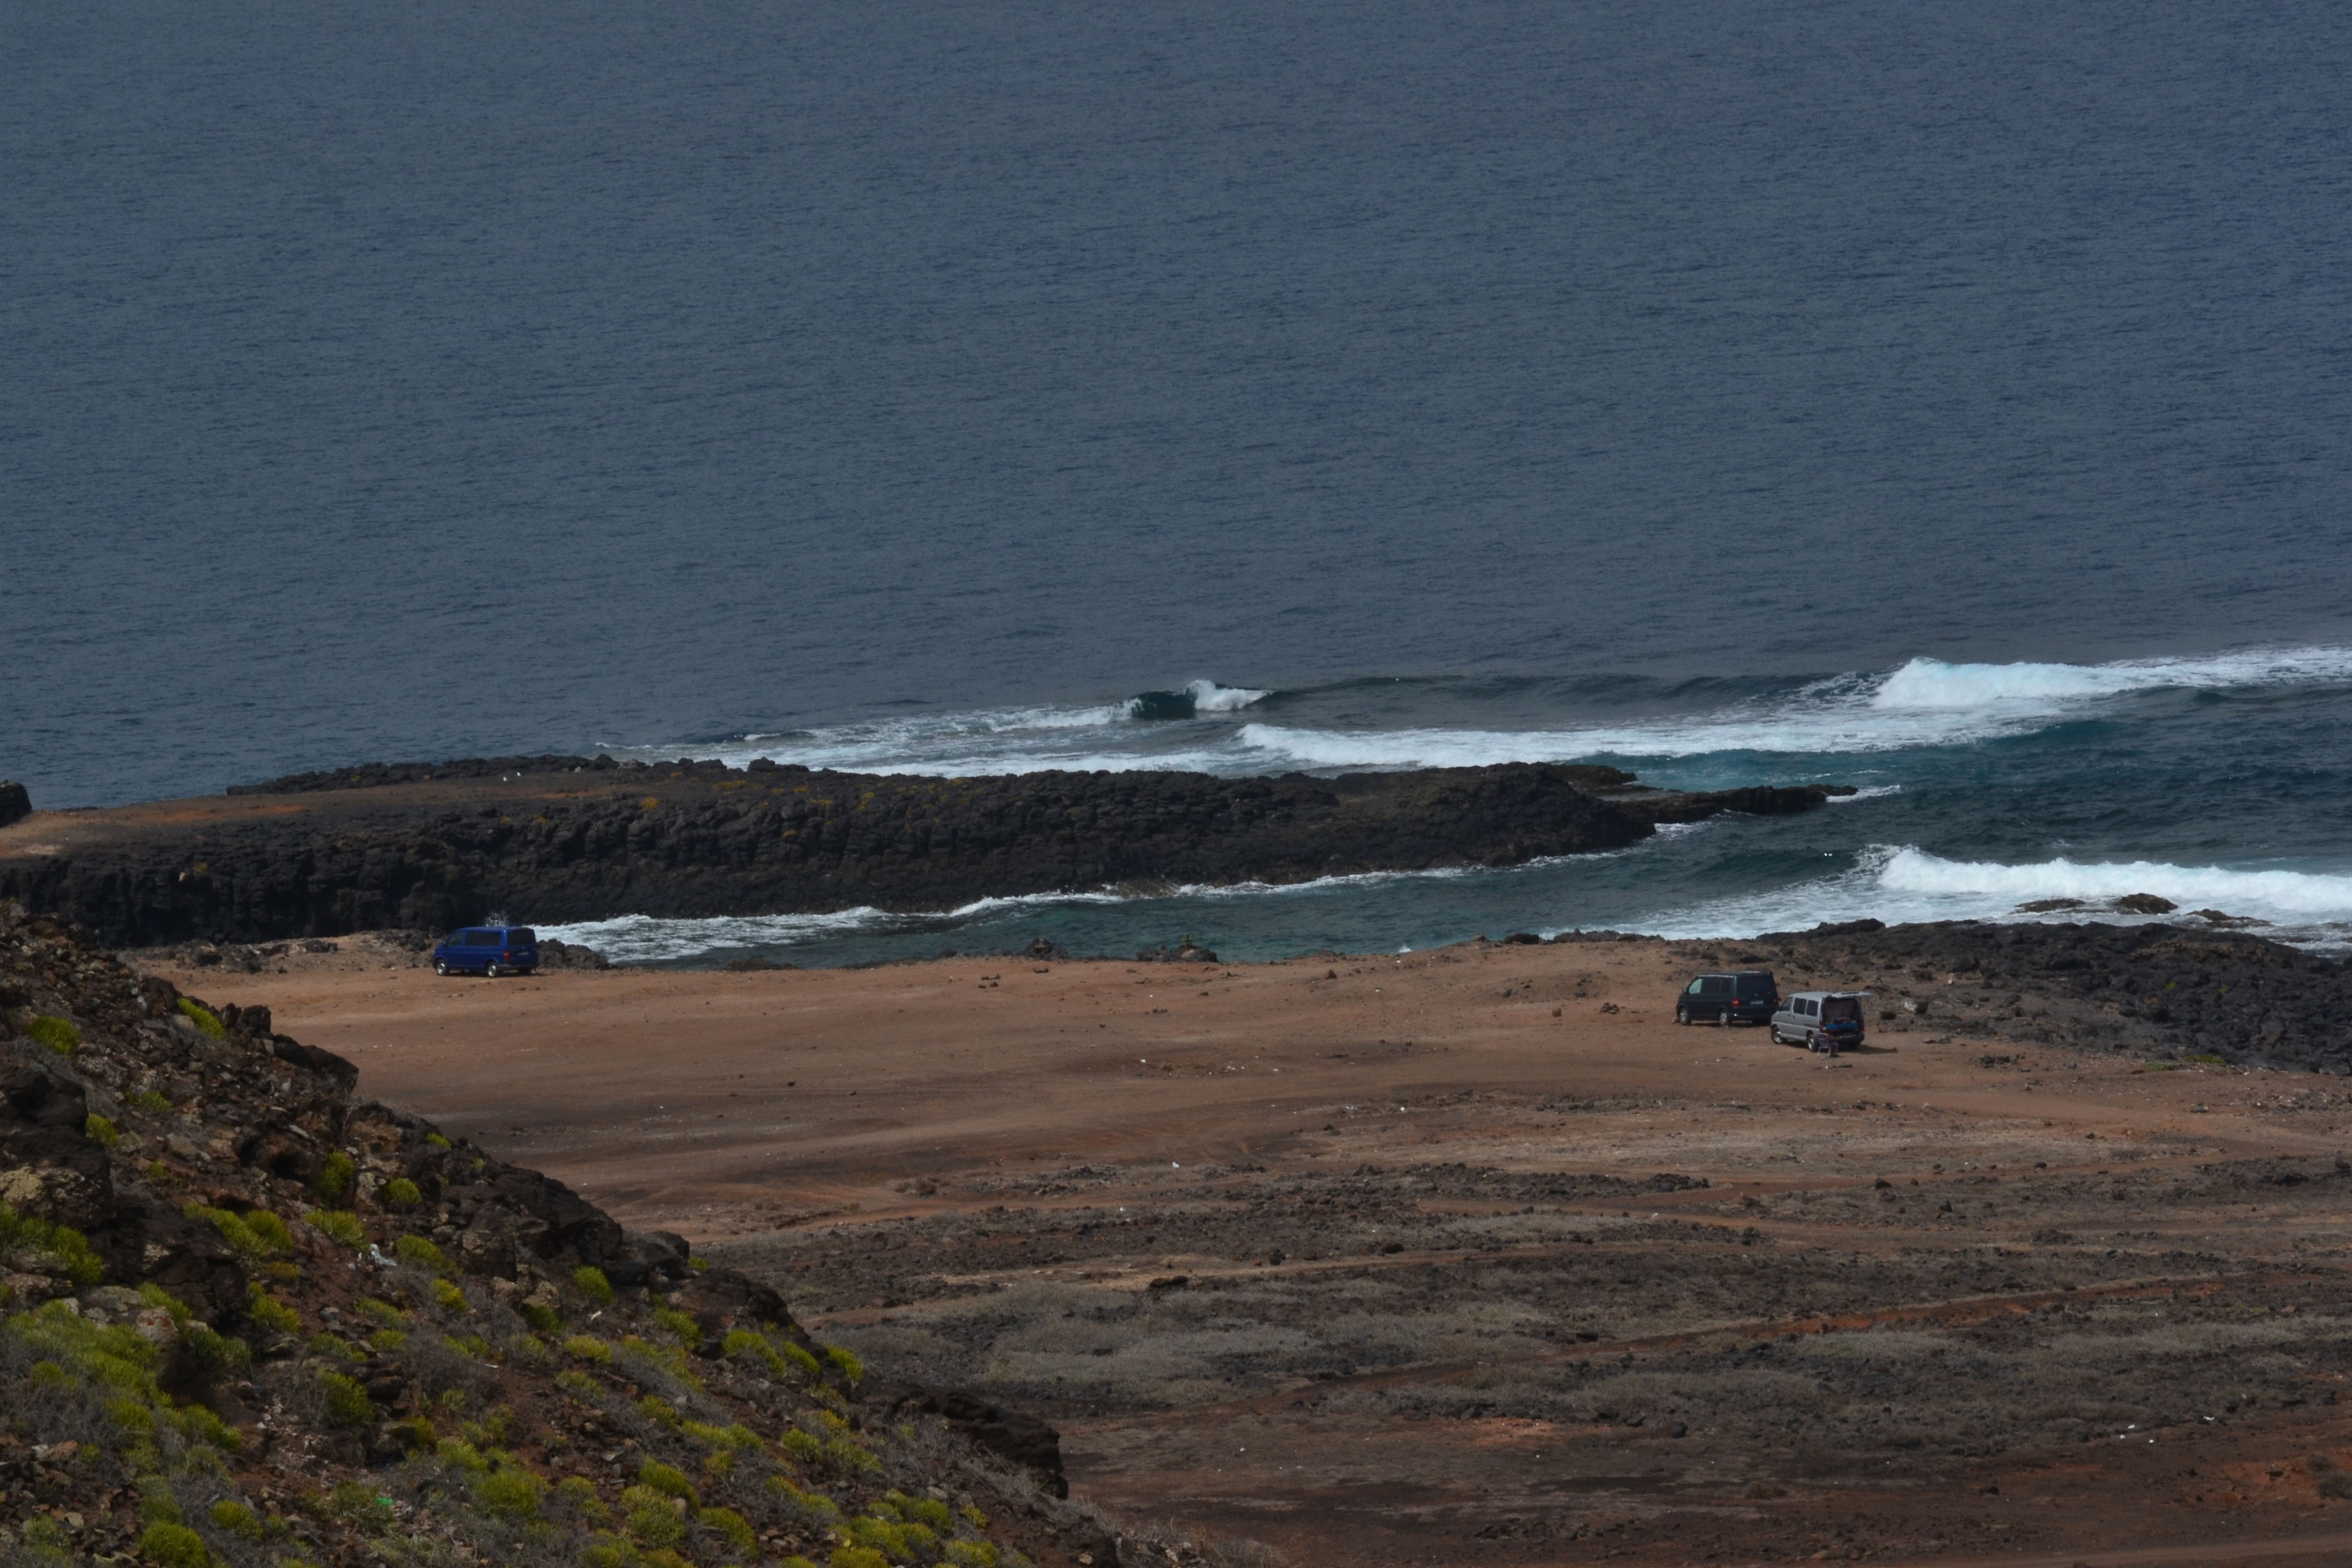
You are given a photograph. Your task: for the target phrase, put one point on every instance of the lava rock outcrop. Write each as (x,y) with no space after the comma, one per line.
(560,839)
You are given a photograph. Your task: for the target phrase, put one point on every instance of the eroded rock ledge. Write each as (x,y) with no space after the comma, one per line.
(552,839)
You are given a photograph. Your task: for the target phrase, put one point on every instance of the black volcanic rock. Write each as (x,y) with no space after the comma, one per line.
(556,839)
(16,802)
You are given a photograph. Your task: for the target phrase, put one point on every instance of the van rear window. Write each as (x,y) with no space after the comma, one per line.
(1841,1008)
(523,936)
(1754,984)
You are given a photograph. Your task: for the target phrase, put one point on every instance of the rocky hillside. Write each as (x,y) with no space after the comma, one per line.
(249,1318)
(556,839)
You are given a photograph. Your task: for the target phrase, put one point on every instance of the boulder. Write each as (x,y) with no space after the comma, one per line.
(16,802)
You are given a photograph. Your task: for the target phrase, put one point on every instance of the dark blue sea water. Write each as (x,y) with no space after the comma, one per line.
(1948,400)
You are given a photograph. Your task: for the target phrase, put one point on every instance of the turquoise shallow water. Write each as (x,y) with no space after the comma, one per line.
(1741,392)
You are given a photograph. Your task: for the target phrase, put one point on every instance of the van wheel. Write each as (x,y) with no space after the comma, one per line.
(1682,1017)
(492,972)
(440,966)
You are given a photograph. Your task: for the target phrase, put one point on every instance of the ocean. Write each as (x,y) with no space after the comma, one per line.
(1947,401)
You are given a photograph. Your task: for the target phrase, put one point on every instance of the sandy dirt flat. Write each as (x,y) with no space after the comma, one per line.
(1470,1256)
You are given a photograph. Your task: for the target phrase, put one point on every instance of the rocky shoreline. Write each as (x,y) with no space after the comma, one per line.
(554,839)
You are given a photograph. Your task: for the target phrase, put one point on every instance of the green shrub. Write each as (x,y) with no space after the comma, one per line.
(921,1510)
(579,1384)
(359,1503)
(99,1130)
(667,1479)
(450,1299)
(846,1453)
(388,1340)
(59,1034)
(206,1021)
(174,1546)
(679,1324)
(270,1312)
(269,1228)
(510,1494)
(588,1347)
(419,1253)
(66,1248)
(590,1282)
(858,1557)
(609,1552)
(740,1538)
(740,1438)
(656,1526)
(207,1355)
(237,1518)
(972,1554)
(337,1176)
(460,1455)
(347,1402)
(337,1225)
(804,1447)
(400,1193)
(383,1312)
(892,1539)
(847,1360)
(545,1319)
(817,1508)
(437,1140)
(147,1100)
(578,1493)
(233,1230)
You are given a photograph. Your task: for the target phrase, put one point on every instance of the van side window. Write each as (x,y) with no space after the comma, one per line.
(1715,985)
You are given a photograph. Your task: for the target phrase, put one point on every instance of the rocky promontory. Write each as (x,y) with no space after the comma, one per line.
(554,840)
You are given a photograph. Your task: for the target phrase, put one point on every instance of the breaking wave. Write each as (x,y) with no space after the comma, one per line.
(1207,727)
(1902,883)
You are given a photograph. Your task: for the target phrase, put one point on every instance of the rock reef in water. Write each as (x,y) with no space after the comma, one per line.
(552,839)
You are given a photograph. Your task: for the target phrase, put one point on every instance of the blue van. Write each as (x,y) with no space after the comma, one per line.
(493,951)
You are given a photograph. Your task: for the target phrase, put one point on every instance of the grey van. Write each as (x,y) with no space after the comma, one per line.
(1820,1020)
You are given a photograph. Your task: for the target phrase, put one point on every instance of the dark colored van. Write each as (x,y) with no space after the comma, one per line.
(1743,997)
(493,951)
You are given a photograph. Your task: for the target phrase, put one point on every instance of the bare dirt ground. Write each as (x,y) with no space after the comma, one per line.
(1472,1256)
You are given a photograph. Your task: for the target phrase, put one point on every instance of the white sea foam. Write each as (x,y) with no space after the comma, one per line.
(1924,703)
(647,938)
(1208,697)
(1928,683)
(1902,883)
(2273,895)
